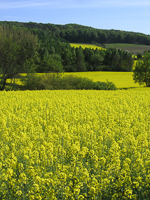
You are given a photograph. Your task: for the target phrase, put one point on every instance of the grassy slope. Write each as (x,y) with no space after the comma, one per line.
(130,47)
(133,48)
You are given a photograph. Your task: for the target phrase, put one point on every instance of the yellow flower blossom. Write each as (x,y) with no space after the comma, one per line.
(75,144)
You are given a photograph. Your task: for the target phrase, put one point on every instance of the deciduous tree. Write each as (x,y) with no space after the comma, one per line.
(18,52)
(141,73)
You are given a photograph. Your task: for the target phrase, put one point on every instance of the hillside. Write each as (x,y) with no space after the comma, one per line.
(55,47)
(75,33)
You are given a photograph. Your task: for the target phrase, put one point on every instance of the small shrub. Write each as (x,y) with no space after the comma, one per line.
(105,86)
(33,82)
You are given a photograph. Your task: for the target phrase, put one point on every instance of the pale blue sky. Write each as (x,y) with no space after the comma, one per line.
(127,15)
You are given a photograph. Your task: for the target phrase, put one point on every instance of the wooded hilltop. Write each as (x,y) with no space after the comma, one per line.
(55,48)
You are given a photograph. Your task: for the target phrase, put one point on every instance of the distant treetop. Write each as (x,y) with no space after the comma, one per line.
(84,34)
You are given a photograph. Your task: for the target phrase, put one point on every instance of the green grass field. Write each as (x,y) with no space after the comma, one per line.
(133,48)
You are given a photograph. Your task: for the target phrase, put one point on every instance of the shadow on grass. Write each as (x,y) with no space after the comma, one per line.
(130,88)
(12,84)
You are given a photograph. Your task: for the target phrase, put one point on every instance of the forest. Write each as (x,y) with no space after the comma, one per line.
(55,47)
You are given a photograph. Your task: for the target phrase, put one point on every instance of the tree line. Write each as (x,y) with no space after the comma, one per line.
(78,59)
(25,50)
(84,34)
(56,54)
(22,52)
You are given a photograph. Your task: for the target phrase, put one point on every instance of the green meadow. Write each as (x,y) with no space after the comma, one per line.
(133,48)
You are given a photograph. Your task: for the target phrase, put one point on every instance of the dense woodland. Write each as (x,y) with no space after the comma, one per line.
(56,54)
(83,34)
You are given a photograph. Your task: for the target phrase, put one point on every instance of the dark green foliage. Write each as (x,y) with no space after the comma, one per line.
(60,82)
(51,63)
(54,48)
(105,86)
(18,52)
(139,55)
(84,34)
(80,60)
(118,60)
(141,73)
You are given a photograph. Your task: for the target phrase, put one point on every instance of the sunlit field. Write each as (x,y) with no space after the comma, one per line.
(120,79)
(75,145)
(133,48)
(92,46)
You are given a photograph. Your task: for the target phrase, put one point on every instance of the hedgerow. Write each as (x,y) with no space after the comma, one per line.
(55,81)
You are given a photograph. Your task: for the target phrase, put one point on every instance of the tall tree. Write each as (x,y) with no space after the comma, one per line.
(141,73)
(80,60)
(18,52)
(53,64)
(97,61)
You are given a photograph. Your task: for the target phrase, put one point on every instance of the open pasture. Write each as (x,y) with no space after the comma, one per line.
(133,48)
(75,145)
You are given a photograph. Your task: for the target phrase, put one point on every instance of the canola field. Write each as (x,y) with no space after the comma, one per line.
(92,46)
(75,145)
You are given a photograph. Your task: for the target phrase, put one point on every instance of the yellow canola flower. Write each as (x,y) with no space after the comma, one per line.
(19,193)
(92,191)
(75,144)
(22,178)
(9,172)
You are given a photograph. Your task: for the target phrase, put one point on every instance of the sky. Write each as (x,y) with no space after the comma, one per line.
(126,15)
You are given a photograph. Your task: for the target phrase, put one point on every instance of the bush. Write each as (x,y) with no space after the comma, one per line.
(105,86)
(66,82)
(33,82)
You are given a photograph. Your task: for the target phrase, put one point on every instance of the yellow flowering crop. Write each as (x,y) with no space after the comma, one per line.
(75,145)
(92,46)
